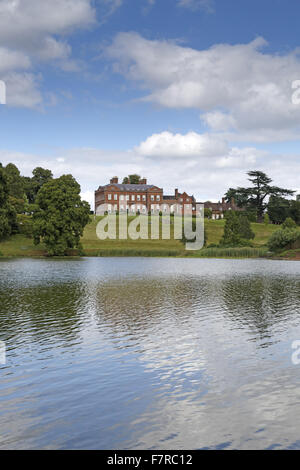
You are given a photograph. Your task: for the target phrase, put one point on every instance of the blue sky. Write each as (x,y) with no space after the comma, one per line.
(189,93)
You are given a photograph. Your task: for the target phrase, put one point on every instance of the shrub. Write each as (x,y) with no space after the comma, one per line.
(283,238)
(237,231)
(289,223)
(266,219)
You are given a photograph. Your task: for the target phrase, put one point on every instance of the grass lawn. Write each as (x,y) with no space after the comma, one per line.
(21,246)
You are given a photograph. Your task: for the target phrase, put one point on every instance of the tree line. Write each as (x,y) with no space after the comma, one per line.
(263,198)
(48,209)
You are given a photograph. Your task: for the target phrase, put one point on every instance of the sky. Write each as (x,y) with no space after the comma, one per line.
(190,94)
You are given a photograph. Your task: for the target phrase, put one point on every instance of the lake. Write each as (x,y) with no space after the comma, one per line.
(137,353)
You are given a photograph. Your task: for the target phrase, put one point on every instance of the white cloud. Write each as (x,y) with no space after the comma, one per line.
(24,22)
(23,90)
(191,144)
(207,5)
(236,87)
(12,60)
(29,31)
(207,176)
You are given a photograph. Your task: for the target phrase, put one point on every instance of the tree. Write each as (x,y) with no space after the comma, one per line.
(61,216)
(295,211)
(289,223)
(132,179)
(14,181)
(237,229)
(208,213)
(28,189)
(8,223)
(256,196)
(40,177)
(278,209)
(34,184)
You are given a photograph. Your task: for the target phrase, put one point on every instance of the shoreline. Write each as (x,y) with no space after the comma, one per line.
(141,255)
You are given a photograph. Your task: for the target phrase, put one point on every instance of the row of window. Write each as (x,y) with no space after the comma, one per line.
(143,208)
(133,197)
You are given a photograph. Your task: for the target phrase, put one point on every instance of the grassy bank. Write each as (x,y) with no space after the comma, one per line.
(21,246)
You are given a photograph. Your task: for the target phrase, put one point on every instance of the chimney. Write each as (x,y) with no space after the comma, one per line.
(114,180)
(143,181)
(223,200)
(176,193)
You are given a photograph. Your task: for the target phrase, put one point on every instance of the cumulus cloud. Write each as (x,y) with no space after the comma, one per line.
(237,88)
(191,144)
(207,176)
(29,31)
(23,90)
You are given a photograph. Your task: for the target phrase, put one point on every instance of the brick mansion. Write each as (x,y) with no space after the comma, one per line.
(145,198)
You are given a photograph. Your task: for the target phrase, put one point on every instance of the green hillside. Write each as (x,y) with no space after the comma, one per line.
(19,245)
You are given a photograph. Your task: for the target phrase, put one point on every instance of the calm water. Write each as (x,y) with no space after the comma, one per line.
(149,353)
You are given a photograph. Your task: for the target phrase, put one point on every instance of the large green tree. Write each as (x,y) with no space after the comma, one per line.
(278,209)
(237,229)
(132,179)
(295,211)
(8,221)
(256,196)
(61,216)
(40,177)
(34,184)
(14,181)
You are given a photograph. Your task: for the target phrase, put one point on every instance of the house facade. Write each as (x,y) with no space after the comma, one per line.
(145,198)
(140,197)
(218,209)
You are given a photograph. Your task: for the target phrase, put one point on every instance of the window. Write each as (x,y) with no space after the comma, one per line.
(138,207)
(121,207)
(132,197)
(122,197)
(116,207)
(152,197)
(138,197)
(109,197)
(127,197)
(115,197)
(144,197)
(158,198)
